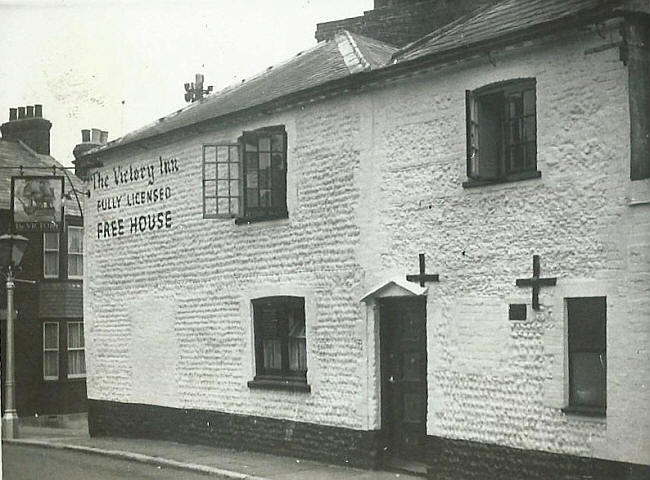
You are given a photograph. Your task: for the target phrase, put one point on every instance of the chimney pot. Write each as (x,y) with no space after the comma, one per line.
(38,111)
(13,114)
(21,112)
(85,135)
(95,135)
(104,137)
(30,111)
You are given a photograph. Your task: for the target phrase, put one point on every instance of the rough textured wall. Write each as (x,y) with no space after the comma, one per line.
(168,311)
(509,385)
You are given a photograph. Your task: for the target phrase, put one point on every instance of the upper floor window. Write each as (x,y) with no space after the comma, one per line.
(587,318)
(51,255)
(280,341)
(501,132)
(247,180)
(75,252)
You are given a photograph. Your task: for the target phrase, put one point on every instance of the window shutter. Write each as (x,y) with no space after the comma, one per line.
(221,180)
(471,125)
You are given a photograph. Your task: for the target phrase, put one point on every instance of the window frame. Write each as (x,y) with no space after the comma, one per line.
(76,254)
(51,250)
(207,179)
(473,101)
(50,378)
(573,406)
(283,378)
(75,349)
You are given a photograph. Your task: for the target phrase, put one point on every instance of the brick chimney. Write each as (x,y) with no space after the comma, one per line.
(28,125)
(399,22)
(90,139)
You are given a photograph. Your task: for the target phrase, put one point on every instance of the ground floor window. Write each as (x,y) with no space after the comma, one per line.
(280,339)
(51,351)
(63,350)
(587,318)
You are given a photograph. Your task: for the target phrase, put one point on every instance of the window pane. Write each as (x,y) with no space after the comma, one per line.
(75,240)
(265,144)
(529,102)
(272,354)
(51,264)
(587,320)
(222,153)
(588,379)
(251,179)
(51,364)
(250,145)
(223,170)
(223,204)
(75,335)
(76,362)
(277,143)
(297,355)
(251,198)
(278,161)
(75,266)
(222,188)
(210,171)
(265,198)
(529,129)
(515,105)
(51,241)
(210,153)
(251,161)
(234,205)
(50,336)
(234,188)
(265,160)
(234,154)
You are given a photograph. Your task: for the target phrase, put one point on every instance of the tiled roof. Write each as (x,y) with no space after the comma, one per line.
(494,21)
(346,54)
(14,154)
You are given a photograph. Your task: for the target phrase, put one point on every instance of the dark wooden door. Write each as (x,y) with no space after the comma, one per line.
(404,376)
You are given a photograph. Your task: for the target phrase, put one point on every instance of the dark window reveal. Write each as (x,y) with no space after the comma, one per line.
(280,342)
(587,318)
(247,180)
(265,173)
(501,132)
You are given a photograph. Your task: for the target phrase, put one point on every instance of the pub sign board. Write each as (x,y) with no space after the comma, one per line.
(36,204)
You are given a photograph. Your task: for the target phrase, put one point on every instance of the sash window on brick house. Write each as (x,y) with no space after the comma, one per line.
(280,342)
(75,252)
(247,180)
(51,255)
(76,350)
(587,318)
(51,351)
(501,132)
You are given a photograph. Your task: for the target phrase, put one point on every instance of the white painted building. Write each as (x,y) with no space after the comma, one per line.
(246,257)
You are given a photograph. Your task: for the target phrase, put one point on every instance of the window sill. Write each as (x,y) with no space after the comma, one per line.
(248,220)
(291,385)
(594,412)
(516,177)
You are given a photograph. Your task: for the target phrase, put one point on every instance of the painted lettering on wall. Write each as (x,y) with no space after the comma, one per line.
(146,175)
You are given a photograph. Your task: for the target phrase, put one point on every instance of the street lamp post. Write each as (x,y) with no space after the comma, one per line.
(12,248)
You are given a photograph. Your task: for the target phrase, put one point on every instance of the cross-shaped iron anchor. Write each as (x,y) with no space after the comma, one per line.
(536,282)
(422,277)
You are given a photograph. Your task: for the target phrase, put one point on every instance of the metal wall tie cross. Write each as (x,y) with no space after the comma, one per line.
(536,282)
(422,277)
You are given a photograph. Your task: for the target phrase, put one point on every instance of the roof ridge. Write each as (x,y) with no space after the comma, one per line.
(349,50)
(444,29)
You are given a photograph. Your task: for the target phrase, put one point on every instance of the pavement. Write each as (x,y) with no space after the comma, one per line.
(219,463)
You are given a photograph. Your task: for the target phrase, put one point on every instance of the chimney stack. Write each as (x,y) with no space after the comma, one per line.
(28,125)
(90,138)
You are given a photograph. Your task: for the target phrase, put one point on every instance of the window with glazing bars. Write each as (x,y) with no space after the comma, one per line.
(51,255)
(76,350)
(75,252)
(221,181)
(280,341)
(501,130)
(51,351)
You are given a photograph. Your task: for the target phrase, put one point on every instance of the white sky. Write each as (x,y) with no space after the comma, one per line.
(81,60)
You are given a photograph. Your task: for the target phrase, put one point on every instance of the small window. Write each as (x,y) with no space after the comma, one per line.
(247,180)
(502,132)
(75,252)
(51,351)
(76,355)
(280,341)
(51,255)
(587,318)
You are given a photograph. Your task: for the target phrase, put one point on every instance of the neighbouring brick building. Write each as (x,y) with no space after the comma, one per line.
(266,293)
(49,341)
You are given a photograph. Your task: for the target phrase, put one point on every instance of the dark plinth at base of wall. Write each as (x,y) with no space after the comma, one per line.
(464,460)
(281,437)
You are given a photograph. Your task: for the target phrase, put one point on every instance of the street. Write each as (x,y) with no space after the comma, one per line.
(29,463)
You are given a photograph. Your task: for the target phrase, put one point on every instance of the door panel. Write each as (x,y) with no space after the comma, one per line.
(404,383)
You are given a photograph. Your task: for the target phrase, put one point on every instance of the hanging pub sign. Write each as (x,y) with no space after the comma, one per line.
(36,204)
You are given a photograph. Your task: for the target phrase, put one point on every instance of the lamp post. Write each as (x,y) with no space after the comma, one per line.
(12,248)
